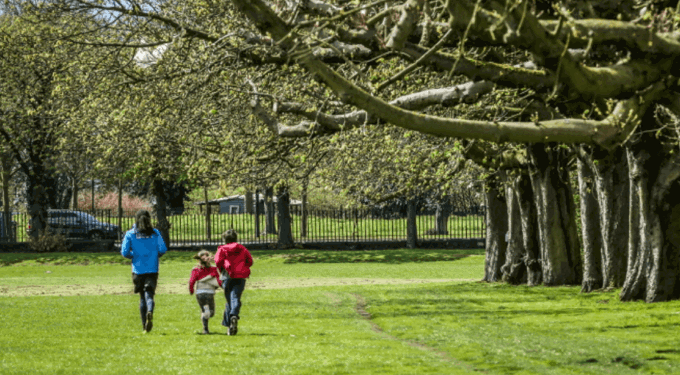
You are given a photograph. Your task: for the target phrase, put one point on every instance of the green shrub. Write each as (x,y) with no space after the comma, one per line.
(48,243)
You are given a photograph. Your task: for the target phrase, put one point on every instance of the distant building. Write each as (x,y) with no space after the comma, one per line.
(236,204)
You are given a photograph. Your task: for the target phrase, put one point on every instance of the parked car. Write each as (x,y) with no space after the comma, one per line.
(79,225)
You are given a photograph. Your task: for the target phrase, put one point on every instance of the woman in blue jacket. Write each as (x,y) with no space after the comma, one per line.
(144,245)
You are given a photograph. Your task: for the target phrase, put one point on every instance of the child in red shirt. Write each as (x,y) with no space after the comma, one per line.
(234,262)
(207,279)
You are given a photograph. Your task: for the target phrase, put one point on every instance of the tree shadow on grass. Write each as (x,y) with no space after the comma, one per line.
(295,256)
(83,259)
(475,300)
(62,259)
(378,256)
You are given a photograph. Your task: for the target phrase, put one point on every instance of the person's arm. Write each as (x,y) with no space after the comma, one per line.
(192,281)
(126,248)
(219,260)
(249,258)
(216,274)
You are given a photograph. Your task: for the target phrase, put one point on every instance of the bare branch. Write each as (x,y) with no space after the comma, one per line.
(610,132)
(415,64)
(510,76)
(447,97)
(406,24)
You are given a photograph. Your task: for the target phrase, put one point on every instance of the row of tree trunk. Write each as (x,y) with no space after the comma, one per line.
(629,208)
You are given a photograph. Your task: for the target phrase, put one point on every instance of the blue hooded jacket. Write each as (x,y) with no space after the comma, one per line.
(143,250)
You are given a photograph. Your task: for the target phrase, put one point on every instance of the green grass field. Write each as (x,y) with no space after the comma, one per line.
(314,312)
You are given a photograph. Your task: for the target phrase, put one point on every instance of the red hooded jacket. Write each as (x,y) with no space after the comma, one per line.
(235,259)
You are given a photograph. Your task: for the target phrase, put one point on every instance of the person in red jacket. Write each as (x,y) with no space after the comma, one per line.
(234,262)
(206,279)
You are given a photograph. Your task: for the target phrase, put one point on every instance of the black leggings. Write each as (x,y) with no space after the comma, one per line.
(145,285)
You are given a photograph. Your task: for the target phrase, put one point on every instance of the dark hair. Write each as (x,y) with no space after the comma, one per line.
(144,222)
(229,236)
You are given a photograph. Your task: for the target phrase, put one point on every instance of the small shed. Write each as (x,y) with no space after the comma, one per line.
(236,204)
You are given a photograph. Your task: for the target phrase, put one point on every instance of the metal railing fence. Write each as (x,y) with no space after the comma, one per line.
(322,225)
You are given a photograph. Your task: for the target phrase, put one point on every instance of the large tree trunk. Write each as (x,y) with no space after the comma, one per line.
(120,209)
(248,202)
(496,228)
(303,214)
(612,185)
(590,229)
(7,212)
(558,236)
(411,225)
(441,218)
(655,273)
(161,210)
(529,223)
(285,232)
(75,193)
(64,198)
(270,223)
(257,213)
(208,214)
(514,270)
(633,214)
(39,193)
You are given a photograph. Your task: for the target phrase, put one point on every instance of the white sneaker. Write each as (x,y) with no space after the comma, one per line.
(206,312)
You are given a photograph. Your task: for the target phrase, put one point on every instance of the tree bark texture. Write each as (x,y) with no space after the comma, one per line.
(257,213)
(7,211)
(558,237)
(496,228)
(248,201)
(529,223)
(119,214)
(590,229)
(285,232)
(160,211)
(74,194)
(514,270)
(39,190)
(611,183)
(411,226)
(441,218)
(208,226)
(303,214)
(655,273)
(270,223)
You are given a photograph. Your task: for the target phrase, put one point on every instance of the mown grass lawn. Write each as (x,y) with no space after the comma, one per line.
(313,312)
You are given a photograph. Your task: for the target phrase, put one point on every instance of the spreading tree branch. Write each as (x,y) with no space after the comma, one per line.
(608,133)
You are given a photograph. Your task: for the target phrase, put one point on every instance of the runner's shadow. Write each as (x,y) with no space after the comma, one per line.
(239,334)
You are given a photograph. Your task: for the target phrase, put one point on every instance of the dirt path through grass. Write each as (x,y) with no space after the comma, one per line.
(179,287)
